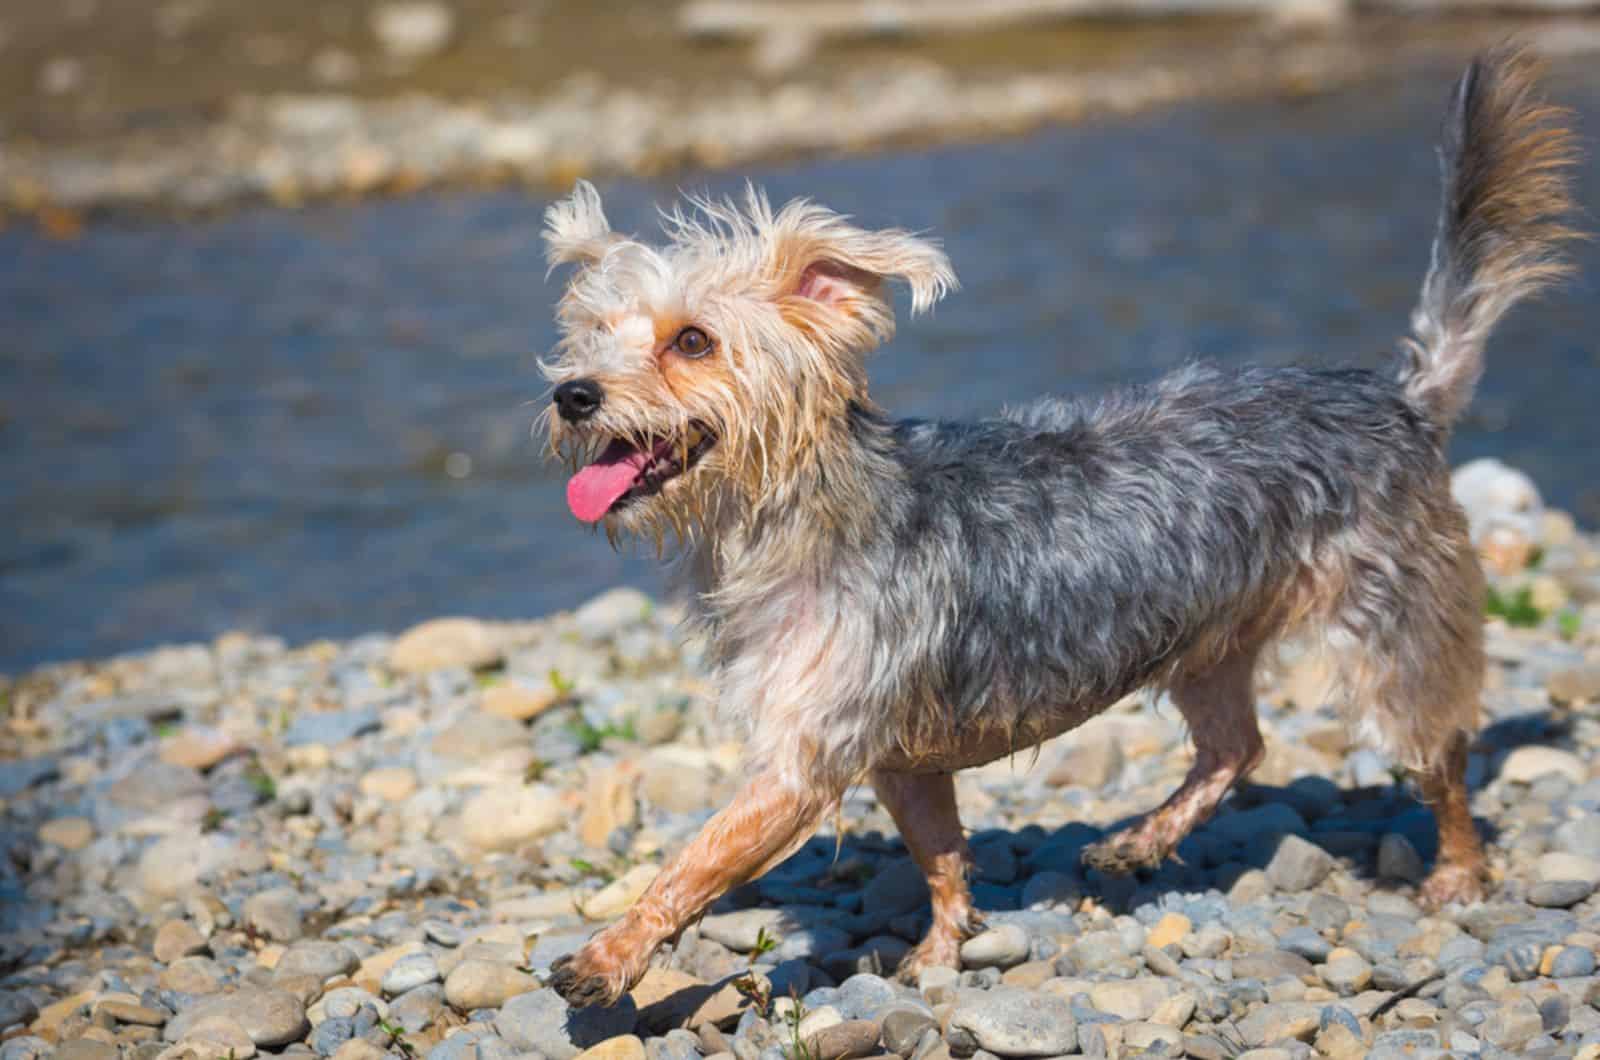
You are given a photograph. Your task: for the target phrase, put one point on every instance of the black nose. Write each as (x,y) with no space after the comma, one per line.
(578,400)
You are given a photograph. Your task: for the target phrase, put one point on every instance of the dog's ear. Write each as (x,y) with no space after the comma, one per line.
(576,229)
(822,259)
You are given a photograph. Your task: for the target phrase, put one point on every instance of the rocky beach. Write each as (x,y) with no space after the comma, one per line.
(376,848)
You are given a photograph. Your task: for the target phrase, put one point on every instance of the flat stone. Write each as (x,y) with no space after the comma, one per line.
(622,1047)
(317,958)
(506,817)
(1512,1024)
(616,897)
(1010,1022)
(519,701)
(86,1049)
(475,984)
(1399,860)
(445,642)
(1002,946)
(611,612)
(1528,763)
(218,1038)
(409,972)
(1559,865)
(903,1028)
(270,1017)
(177,938)
(1168,931)
(332,727)
(541,1021)
(130,1012)
(199,747)
(1276,1021)
(1559,894)
(1298,865)
(389,783)
(1574,684)
(275,914)
(1130,999)
(844,1041)
(68,833)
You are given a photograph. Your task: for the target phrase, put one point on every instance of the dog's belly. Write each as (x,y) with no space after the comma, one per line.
(979,745)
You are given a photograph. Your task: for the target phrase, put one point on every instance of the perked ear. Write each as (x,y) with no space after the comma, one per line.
(831,262)
(576,229)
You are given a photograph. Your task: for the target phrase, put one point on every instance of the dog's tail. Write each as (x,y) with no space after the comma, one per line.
(1504,161)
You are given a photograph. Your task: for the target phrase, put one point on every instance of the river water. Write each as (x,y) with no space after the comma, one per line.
(317,423)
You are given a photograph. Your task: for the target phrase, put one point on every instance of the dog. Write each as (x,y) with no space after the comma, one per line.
(890,601)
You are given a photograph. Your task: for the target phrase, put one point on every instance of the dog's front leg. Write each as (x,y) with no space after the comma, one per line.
(768,821)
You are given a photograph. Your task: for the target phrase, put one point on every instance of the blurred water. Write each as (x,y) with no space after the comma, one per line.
(253,422)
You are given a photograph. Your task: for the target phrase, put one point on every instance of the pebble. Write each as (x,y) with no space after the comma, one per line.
(475,984)
(1002,946)
(846,1040)
(1010,1022)
(504,818)
(1298,865)
(1527,764)
(271,1018)
(275,914)
(440,642)
(410,972)
(540,1021)
(175,939)
(69,833)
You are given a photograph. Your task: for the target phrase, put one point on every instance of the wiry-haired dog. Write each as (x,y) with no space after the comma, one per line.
(891,601)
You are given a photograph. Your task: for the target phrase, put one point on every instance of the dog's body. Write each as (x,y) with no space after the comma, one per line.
(893,601)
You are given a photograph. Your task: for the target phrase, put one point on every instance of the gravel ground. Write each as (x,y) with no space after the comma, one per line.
(377,848)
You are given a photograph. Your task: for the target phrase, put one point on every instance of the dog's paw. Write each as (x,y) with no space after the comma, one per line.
(582,985)
(1461,884)
(1123,854)
(935,951)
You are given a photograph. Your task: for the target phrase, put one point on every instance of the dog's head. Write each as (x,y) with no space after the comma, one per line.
(700,372)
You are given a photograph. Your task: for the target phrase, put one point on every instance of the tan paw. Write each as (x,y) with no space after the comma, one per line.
(1453,883)
(593,976)
(1124,853)
(935,951)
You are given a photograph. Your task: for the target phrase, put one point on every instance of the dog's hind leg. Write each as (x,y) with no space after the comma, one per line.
(1218,703)
(1411,639)
(923,806)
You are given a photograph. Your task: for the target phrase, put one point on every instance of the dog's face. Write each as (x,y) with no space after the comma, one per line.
(695,374)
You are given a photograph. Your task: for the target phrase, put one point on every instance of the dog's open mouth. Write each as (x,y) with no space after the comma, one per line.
(624,472)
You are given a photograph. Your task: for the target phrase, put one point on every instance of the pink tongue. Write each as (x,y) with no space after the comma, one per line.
(592,491)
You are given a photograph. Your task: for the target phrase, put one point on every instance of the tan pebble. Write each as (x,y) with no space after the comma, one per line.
(1547,594)
(844,1041)
(609,804)
(622,1047)
(615,898)
(52,1016)
(389,783)
(68,833)
(199,747)
(665,998)
(130,1012)
(1169,930)
(358,1049)
(177,938)
(1029,974)
(444,642)
(519,702)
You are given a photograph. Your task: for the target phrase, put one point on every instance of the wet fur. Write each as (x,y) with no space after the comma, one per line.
(891,601)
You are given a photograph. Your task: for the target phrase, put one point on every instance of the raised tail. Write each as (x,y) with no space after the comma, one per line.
(1504,160)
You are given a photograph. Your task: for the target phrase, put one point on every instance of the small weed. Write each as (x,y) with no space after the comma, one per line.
(535,771)
(1535,557)
(212,820)
(1516,609)
(167,729)
(589,868)
(488,678)
(799,1048)
(560,683)
(765,944)
(397,1038)
(592,737)
(756,991)
(1569,623)
(263,783)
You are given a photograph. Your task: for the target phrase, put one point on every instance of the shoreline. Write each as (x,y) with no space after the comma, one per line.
(289,149)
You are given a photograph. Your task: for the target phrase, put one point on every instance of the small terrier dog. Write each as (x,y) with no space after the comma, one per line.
(890,601)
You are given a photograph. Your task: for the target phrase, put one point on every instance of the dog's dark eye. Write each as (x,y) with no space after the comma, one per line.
(692,342)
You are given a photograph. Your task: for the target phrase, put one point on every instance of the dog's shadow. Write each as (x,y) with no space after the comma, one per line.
(825,881)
